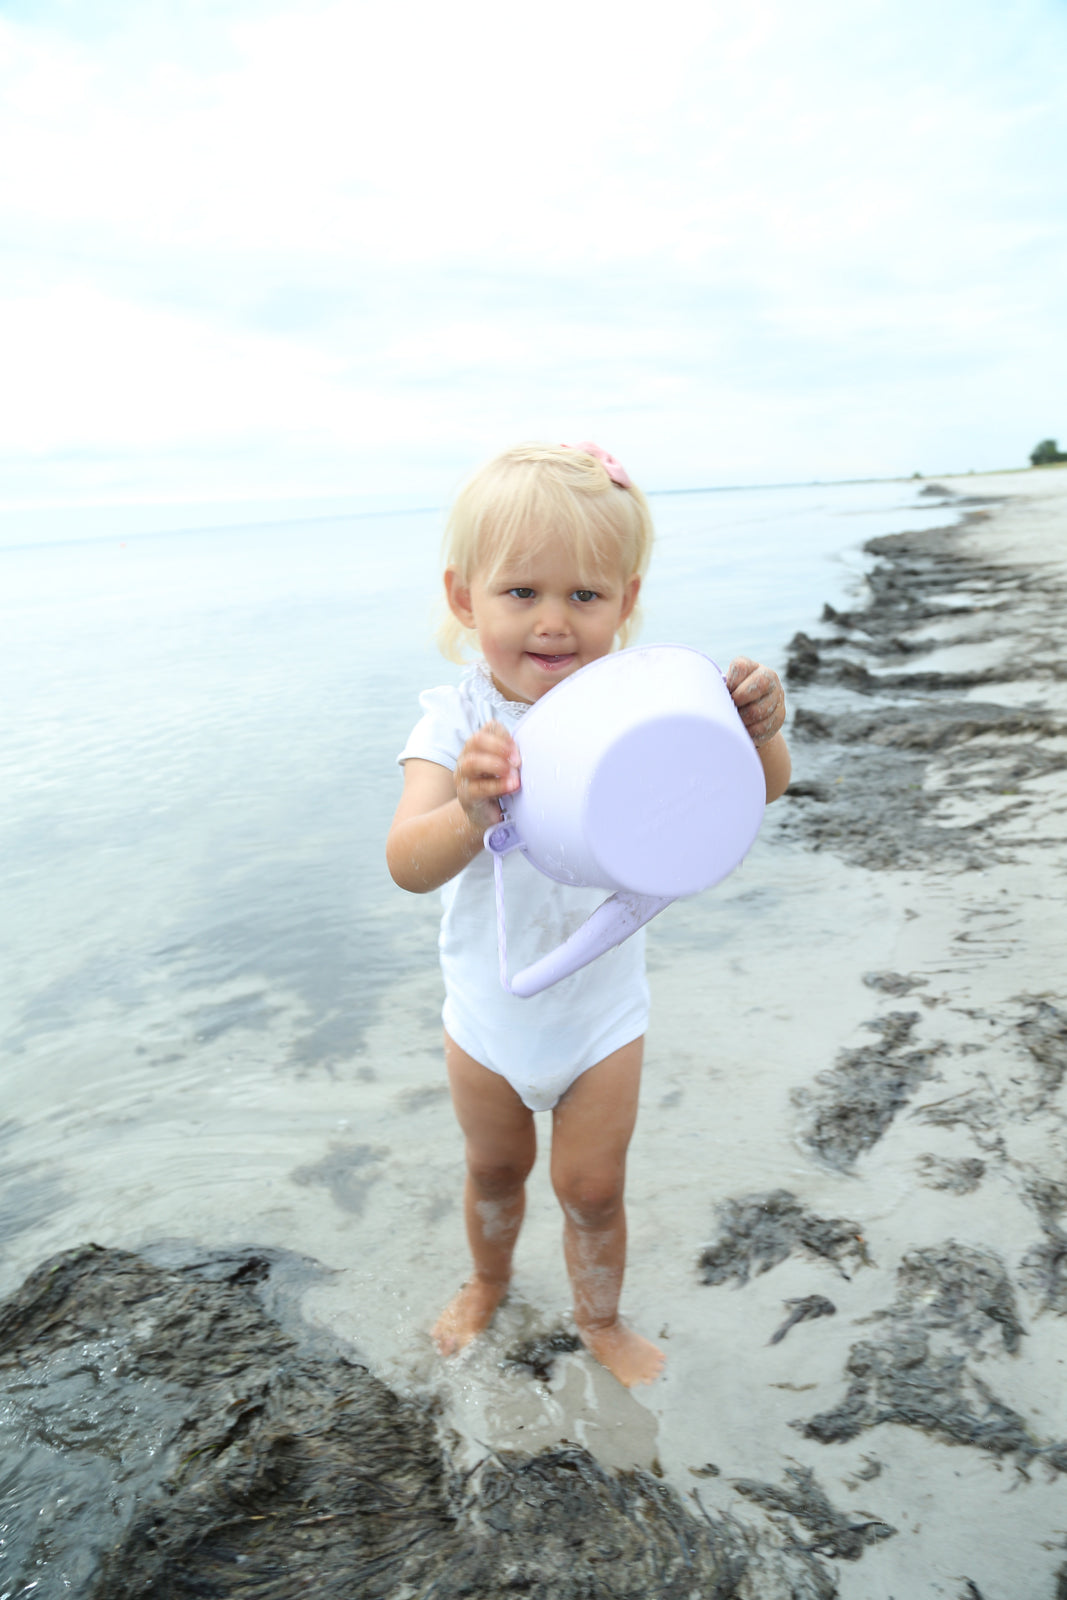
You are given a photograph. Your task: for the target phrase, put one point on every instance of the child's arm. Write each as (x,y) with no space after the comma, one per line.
(758,695)
(442,816)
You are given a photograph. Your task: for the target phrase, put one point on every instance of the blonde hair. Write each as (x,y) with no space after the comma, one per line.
(524,497)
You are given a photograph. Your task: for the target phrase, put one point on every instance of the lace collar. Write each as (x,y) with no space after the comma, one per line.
(515,708)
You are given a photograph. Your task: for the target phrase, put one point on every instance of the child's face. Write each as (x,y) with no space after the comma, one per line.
(539,619)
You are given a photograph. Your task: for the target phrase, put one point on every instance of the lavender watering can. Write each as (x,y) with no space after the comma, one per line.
(638,776)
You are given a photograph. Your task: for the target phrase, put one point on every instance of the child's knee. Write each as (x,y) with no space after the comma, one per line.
(495,1180)
(589,1199)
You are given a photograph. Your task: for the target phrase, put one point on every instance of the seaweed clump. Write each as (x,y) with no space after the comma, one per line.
(1044,1034)
(961,1175)
(1044,1267)
(762,1230)
(804,1309)
(175,1431)
(833,1533)
(958,1287)
(877,745)
(538,1355)
(955,1305)
(857,1099)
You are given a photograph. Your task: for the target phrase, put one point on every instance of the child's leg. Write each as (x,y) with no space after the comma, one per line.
(501,1146)
(591,1132)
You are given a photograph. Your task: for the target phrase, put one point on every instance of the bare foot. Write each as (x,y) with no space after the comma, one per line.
(627,1356)
(467,1315)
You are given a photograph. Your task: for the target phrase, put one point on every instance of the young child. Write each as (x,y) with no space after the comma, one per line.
(547,547)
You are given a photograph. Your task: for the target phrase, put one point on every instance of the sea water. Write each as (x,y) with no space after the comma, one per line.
(208,978)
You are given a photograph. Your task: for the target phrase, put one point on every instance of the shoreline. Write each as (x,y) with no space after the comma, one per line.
(120,520)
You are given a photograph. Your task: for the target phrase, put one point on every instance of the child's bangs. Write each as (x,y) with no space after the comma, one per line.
(599,553)
(597,521)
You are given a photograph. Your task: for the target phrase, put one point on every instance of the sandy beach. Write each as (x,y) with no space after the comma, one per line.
(848,1188)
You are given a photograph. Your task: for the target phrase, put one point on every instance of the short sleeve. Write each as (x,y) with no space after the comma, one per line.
(441,731)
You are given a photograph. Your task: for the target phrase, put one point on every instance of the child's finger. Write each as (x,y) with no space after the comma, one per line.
(487,785)
(764,717)
(481,783)
(487,767)
(487,759)
(755,684)
(494,737)
(737,672)
(759,704)
(765,728)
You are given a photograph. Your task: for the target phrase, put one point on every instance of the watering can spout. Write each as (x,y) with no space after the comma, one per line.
(619,916)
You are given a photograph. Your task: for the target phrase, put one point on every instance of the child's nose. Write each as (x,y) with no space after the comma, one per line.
(551,616)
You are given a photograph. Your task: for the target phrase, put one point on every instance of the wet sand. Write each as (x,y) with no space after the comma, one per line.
(848,1189)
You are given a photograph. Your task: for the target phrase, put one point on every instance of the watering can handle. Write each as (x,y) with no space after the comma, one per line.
(613,921)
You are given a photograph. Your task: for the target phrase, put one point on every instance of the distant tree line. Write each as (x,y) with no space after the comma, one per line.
(1046,453)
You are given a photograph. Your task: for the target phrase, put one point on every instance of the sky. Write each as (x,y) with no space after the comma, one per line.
(253,250)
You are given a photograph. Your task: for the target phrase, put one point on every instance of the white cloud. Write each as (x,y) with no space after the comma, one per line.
(93,367)
(299,243)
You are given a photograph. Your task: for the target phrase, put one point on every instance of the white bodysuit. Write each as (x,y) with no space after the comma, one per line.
(540,1045)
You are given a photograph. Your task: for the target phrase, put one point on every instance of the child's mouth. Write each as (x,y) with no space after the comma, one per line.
(551,663)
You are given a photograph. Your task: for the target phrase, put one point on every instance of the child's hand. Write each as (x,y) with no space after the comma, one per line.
(488,767)
(758,695)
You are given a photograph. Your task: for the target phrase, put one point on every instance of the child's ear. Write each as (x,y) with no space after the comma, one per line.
(629,596)
(458,596)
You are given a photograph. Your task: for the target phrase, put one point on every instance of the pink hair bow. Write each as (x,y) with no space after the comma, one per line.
(615,471)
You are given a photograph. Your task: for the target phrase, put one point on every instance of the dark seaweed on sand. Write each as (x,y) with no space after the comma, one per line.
(1044,1266)
(955,1305)
(961,1175)
(804,1309)
(538,1355)
(833,1533)
(870,723)
(960,1288)
(758,1231)
(1043,1032)
(179,1432)
(855,1101)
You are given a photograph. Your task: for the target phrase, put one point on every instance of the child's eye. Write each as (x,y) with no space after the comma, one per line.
(584,595)
(521,593)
